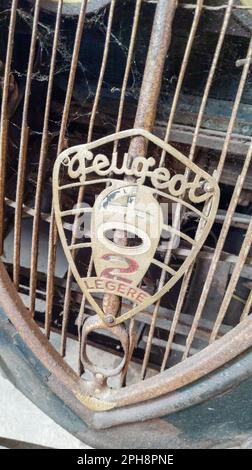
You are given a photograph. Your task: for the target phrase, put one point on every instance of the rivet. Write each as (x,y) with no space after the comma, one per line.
(99,376)
(208,188)
(110,319)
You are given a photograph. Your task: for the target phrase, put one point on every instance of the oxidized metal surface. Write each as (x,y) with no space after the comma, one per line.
(61,373)
(102,374)
(169,310)
(212,358)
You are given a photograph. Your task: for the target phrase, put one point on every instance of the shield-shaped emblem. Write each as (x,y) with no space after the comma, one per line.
(99,190)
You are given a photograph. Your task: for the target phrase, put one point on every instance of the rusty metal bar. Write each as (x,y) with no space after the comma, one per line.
(118,126)
(220,244)
(247,307)
(233,202)
(156,309)
(4,116)
(60,378)
(23,149)
(127,68)
(145,116)
(53,228)
(154,320)
(182,72)
(231,124)
(151,84)
(187,277)
(244,251)
(149,94)
(102,71)
(139,117)
(195,367)
(161,163)
(80,318)
(146,113)
(67,298)
(210,77)
(110,300)
(42,159)
(64,381)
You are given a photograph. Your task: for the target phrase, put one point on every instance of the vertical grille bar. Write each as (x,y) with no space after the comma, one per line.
(233,282)
(187,277)
(182,72)
(232,205)
(211,76)
(221,241)
(81,192)
(219,246)
(118,127)
(53,229)
(80,319)
(23,149)
(247,307)
(102,71)
(161,163)
(127,68)
(42,159)
(4,116)
(147,105)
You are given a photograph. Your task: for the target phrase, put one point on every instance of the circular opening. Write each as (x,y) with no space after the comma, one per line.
(108,360)
(98,364)
(115,235)
(139,240)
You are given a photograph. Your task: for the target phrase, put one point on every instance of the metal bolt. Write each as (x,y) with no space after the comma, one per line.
(66,161)
(99,376)
(208,188)
(110,319)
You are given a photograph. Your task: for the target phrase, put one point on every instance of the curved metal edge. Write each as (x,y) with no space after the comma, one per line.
(213,357)
(23,369)
(26,372)
(62,379)
(217,383)
(173,384)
